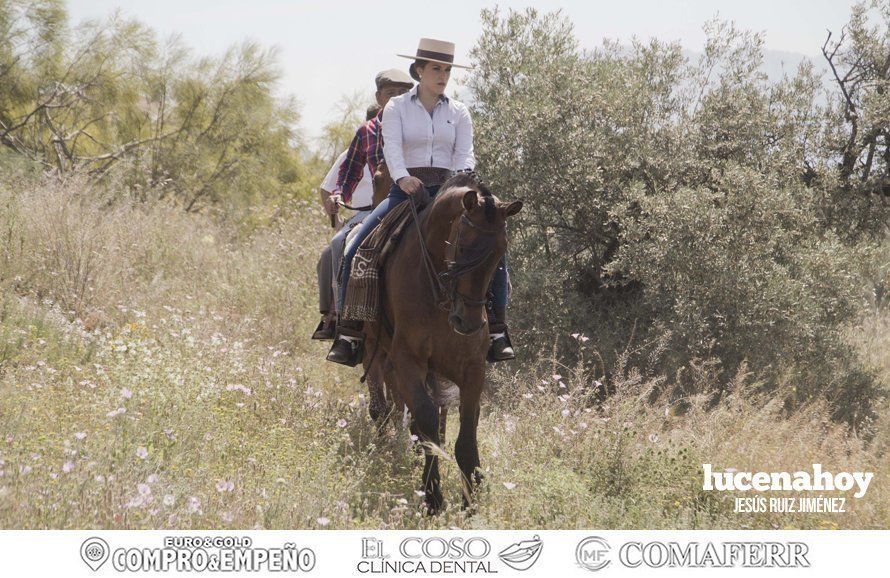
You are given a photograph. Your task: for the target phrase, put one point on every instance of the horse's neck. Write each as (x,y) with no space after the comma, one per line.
(436,228)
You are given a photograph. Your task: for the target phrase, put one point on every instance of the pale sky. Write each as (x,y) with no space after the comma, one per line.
(335,47)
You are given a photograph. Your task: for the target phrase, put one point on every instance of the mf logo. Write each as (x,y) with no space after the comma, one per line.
(592,553)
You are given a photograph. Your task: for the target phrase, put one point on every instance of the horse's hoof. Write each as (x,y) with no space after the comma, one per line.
(478,477)
(468,507)
(435,503)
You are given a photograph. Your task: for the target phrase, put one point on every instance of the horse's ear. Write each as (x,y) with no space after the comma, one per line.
(470,200)
(511,209)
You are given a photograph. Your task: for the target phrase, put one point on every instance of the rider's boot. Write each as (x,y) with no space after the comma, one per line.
(326,327)
(500,349)
(348,348)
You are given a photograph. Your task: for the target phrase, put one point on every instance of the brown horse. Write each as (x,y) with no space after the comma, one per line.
(434,294)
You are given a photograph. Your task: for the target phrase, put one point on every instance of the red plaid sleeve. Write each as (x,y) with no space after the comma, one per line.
(374,145)
(351,171)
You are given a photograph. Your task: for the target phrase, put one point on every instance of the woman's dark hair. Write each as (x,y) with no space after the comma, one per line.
(412,70)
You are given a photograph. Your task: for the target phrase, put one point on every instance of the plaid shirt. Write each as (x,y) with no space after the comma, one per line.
(366,147)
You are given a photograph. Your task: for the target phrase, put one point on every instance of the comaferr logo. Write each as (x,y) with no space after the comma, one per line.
(594,554)
(714,555)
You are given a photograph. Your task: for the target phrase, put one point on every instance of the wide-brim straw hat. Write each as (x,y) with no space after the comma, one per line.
(433,51)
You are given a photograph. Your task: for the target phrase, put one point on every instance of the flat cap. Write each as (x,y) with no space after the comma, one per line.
(392,76)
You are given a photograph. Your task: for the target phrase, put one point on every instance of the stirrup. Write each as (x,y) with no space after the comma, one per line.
(505,352)
(345,352)
(326,330)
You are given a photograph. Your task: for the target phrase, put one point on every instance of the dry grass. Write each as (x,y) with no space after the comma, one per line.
(155,372)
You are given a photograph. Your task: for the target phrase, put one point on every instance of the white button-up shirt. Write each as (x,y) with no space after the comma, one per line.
(414,138)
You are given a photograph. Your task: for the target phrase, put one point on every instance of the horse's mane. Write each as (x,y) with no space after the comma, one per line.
(455,187)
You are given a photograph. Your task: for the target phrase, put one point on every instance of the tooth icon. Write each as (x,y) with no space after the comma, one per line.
(94,552)
(522,555)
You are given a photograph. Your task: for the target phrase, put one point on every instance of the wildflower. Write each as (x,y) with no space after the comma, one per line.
(225,486)
(80,435)
(136,502)
(653,438)
(556,377)
(144,489)
(194,505)
(169,500)
(342,423)
(566,413)
(152,478)
(509,485)
(25,470)
(323,521)
(126,393)
(527,395)
(116,412)
(227,517)
(142,452)
(67,467)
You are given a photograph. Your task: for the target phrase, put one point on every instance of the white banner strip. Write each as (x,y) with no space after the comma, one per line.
(485,552)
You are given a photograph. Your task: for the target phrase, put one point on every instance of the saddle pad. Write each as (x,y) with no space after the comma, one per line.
(363,292)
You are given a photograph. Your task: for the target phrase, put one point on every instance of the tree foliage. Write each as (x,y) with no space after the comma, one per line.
(108,97)
(687,210)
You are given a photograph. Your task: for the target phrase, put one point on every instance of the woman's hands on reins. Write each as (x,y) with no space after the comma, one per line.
(410,185)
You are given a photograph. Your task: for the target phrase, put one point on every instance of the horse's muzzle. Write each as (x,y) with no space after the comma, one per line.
(457,323)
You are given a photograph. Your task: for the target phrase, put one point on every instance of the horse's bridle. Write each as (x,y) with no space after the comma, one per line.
(455,268)
(444,286)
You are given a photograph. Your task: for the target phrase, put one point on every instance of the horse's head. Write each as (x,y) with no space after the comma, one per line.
(476,243)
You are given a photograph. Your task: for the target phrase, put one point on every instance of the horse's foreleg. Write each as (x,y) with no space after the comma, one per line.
(443,421)
(466,448)
(411,377)
(396,402)
(434,387)
(377,404)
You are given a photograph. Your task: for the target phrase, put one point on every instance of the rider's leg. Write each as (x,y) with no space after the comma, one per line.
(501,349)
(325,329)
(396,196)
(337,245)
(349,336)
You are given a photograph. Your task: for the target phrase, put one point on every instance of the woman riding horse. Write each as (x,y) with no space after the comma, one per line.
(426,135)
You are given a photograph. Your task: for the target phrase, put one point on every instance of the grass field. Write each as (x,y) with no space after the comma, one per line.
(156,372)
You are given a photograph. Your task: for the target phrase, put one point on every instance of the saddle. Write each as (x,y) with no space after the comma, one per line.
(363,295)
